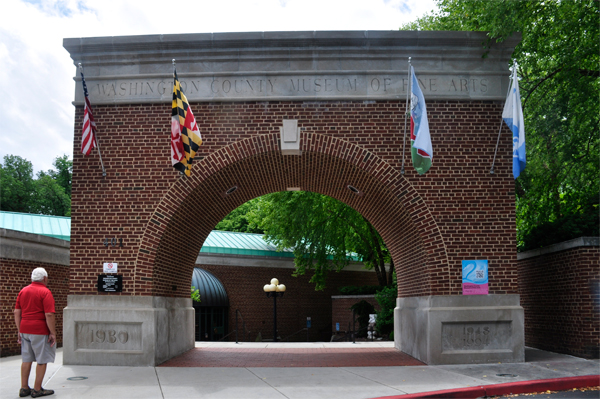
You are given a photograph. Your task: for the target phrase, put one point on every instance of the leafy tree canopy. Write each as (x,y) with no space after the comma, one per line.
(17,188)
(558,67)
(322,231)
(238,220)
(49,194)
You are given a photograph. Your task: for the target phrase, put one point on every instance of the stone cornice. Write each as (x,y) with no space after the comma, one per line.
(19,245)
(561,246)
(298,66)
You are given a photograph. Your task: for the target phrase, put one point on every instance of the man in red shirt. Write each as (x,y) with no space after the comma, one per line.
(34,317)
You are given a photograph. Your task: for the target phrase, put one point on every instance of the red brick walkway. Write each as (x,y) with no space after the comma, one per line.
(297,357)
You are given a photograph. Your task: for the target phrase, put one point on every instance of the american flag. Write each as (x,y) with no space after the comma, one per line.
(88,137)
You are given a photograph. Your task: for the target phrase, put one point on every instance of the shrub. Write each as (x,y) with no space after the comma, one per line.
(387,302)
(362,290)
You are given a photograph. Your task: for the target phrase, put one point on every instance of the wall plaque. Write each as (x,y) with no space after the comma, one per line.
(110,283)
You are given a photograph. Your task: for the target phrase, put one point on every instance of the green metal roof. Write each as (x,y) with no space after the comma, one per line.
(227,242)
(51,226)
(217,242)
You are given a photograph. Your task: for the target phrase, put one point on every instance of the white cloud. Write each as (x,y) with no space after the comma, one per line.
(36,72)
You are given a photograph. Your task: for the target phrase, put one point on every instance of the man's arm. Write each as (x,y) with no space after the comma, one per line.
(18,323)
(51,322)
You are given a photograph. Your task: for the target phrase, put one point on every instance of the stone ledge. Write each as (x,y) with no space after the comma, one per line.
(562,246)
(261,261)
(33,247)
(291,66)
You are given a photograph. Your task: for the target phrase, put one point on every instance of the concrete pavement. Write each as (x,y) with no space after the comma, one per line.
(94,382)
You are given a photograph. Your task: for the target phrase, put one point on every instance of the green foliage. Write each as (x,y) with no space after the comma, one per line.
(363,309)
(49,194)
(63,173)
(322,232)
(387,303)
(563,229)
(50,198)
(17,187)
(558,66)
(238,219)
(195,294)
(362,290)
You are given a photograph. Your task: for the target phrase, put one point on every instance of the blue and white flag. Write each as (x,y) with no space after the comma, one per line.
(513,116)
(421,149)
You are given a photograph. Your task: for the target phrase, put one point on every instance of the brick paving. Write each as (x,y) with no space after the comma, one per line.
(292,357)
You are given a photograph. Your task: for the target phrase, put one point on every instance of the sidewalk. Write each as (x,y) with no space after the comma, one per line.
(345,382)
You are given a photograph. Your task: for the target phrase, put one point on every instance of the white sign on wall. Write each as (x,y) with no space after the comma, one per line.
(110,268)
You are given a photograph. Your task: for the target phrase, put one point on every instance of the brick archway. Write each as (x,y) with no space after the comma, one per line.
(193,206)
(346,91)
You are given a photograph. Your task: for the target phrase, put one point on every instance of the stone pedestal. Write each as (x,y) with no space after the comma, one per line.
(126,330)
(470,329)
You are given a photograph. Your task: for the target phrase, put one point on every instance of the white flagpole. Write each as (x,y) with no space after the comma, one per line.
(94,133)
(502,121)
(406,114)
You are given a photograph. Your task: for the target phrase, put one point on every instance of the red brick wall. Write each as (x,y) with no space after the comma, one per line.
(560,293)
(16,274)
(244,286)
(430,223)
(341,313)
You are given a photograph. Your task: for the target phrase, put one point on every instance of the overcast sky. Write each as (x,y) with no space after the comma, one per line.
(36,72)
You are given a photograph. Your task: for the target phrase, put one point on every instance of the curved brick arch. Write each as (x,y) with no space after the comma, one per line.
(327,166)
(346,91)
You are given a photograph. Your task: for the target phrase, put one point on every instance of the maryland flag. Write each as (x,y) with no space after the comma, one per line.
(185,136)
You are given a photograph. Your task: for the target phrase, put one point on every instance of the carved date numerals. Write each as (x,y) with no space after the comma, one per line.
(109,336)
(476,336)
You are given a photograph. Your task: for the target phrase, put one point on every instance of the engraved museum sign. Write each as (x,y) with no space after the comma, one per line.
(295,87)
(291,66)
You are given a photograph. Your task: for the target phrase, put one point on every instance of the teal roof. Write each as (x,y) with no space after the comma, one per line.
(227,242)
(51,226)
(217,242)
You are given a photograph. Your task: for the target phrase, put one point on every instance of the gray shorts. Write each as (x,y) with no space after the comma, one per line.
(36,348)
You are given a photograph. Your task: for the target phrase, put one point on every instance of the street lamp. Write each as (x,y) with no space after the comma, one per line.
(274,290)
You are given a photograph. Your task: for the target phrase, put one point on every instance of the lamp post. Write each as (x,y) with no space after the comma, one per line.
(274,290)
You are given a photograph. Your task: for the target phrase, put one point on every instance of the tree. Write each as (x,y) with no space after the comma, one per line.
(238,221)
(558,60)
(17,188)
(63,173)
(50,197)
(54,188)
(322,231)
(49,194)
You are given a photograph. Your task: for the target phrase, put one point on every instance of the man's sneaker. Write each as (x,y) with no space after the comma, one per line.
(41,392)
(24,392)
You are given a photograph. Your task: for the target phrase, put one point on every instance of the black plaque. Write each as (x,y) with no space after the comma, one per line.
(110,283)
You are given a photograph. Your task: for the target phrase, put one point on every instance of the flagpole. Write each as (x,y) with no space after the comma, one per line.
(501,121)
(95,134)
(406,113)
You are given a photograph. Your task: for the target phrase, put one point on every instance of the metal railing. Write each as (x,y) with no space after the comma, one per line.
(297,332)
(237,312)
(353,332)
(245,330)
